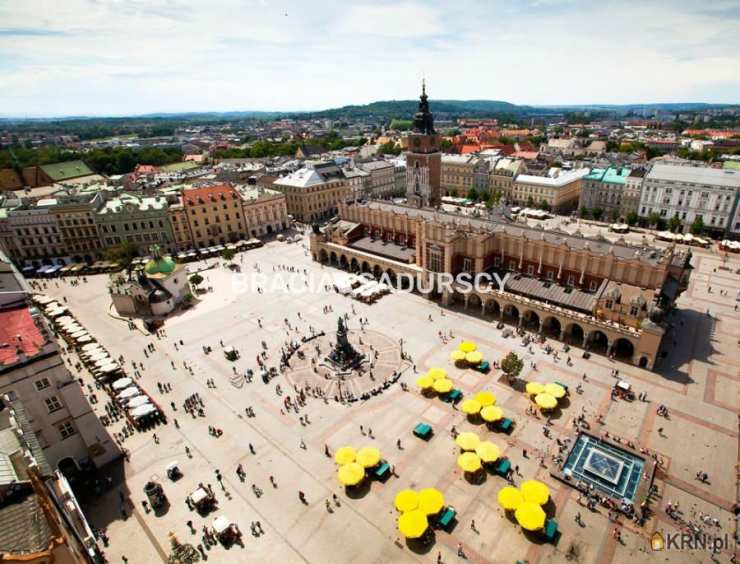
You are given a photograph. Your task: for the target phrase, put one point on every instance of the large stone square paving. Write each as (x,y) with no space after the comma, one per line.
(698,382)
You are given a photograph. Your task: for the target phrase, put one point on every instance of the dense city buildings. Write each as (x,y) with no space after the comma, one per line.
(135,219)
(606,297)
(604,189)
(691,194)
(215,215)
(265,210)
(41,519)
(313,193)
(559,191)
(32,370)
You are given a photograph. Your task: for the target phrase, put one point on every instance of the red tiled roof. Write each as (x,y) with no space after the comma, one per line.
(193,196)
(465,149)
(18,331)
(526,155)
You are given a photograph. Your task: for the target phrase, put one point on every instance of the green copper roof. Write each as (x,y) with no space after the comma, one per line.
(164,265)
(610,175)
(63,171)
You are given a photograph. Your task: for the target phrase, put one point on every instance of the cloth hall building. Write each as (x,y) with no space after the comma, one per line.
(606,297)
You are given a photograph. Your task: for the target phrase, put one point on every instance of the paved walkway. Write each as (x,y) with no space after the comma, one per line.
(701,390)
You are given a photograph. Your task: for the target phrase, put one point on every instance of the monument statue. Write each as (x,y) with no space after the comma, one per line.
(344,355)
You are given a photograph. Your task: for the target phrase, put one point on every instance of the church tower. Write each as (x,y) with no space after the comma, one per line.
(423,159)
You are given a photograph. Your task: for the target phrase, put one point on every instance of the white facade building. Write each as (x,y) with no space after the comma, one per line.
(688,193)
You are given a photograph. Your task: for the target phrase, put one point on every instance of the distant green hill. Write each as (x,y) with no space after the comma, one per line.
(404,109)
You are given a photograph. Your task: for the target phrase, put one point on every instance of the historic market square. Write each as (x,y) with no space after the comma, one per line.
(414,445)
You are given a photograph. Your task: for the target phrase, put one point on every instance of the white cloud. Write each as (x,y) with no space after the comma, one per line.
(119,56)
(403,20)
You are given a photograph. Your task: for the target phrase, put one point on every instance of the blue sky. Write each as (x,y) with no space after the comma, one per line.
(111,57)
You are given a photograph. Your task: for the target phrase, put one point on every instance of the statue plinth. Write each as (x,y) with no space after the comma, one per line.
(343,356)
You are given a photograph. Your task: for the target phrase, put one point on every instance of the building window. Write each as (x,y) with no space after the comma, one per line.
(41,384)
(593,285)
(435,258)
(633,311)
(467,264)
(53,404)
(66,429)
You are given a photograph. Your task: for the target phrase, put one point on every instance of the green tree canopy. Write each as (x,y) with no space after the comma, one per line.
(196,279)
(512,365)
(673,224)
(697,226)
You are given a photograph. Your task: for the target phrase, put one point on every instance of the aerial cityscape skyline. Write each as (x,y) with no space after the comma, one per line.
(434,328)
(127,58)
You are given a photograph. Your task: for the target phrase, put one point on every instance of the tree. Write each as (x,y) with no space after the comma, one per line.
(631,218)
(473,195)
(530,202)
(674,223)
(697,226)
(653,219)
(584,212)
(123,254)
(228,255)
(445,145)
(614,215)
(597,213)
(512,365)
(544,205)
(196,279)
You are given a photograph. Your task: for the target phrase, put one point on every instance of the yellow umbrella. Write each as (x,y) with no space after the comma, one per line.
(424,382)
(406,500)
(351,474)
(437,373)
(345,455)
(555,390)
(491,413)
(467,440)
(469,462)
(413,524)
(535,491)
(534,388)
(485,398)
(545,401)
(431,501)
(470,406)
(368,457)
(457,355)
(530,516)
(467,346)
(474,357)
(487,451)
(442,386)
(510,498)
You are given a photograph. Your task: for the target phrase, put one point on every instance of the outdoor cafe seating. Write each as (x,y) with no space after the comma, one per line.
(202,500)
(226,531)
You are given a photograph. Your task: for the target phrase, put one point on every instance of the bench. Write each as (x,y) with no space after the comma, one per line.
(454,396)
(382,470)
(551,530)
(505,424)
(483,367)
(448,514)
(423,431)
(502,467)
(563,385)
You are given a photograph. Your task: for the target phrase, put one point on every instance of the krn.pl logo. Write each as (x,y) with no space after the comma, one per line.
(657,542)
